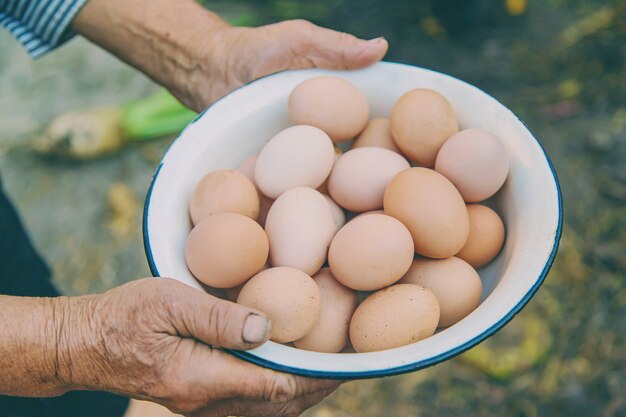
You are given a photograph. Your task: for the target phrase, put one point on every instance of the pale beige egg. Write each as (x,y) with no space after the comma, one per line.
(338,215)
(476,162)
(300,226)
(324,187)
(360,176)
(297,156)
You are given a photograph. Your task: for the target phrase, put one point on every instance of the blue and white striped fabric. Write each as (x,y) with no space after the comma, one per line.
(41,25)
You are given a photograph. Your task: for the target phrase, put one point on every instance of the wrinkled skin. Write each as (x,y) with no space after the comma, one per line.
(242,55)
(153,339)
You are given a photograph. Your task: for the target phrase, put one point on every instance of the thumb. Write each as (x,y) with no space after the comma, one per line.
(330,49)
(220,323)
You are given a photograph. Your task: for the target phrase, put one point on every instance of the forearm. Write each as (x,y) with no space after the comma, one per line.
(28,341)
(42,343)
(162,38)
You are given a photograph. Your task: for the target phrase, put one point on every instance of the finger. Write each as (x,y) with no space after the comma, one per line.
(330,49)
(217,322)
(256,408)
(243,379)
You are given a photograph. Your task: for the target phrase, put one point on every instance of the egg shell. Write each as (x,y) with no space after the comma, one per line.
(421,121)
(377,132)
(231,294)
(360,176)
(431,208)
(454,282)
(338,215)
(300,226)
(486,236)
(247,168)
(297,156)
(394,316)
(476,162)
(226,249)
(333,104)
(324,187)
(330,333)
(290,299)
(223,191)
(370,252)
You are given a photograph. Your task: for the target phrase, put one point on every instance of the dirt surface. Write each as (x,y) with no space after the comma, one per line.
(559,65)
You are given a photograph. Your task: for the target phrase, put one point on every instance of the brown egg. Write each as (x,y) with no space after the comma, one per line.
(359,177)
(421,121)
(330,333)
(486,236)
(431,208)
(226,249)
(330,103)
(370,252)
(289,297)
(454,282)
(394,316)
(223,191)
(476,162)
(377,133)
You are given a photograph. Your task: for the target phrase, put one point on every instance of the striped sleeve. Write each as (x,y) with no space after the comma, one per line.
(40,25)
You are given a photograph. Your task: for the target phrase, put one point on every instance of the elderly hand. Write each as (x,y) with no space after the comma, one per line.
(153,339)
(200,58)
(239,55)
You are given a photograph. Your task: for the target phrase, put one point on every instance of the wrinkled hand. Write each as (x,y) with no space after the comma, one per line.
(153,339)
(233,56)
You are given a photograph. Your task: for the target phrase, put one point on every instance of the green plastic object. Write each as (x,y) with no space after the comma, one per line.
(158,115)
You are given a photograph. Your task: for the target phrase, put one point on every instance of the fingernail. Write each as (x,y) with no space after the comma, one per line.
(255,329)
(378,39)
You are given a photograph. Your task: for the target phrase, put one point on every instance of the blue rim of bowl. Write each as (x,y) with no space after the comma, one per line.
(398,369)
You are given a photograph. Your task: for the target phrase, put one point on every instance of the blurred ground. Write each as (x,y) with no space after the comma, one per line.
(559,65)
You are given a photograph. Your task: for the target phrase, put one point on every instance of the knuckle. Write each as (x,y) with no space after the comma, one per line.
(178,394)
(219,312)
(300,24)
(282,389)
(301,32)
(346,38)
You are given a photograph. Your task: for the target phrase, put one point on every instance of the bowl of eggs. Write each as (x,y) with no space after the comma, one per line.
(384,219)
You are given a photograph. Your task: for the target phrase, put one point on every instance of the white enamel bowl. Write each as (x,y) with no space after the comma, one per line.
(242,122)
